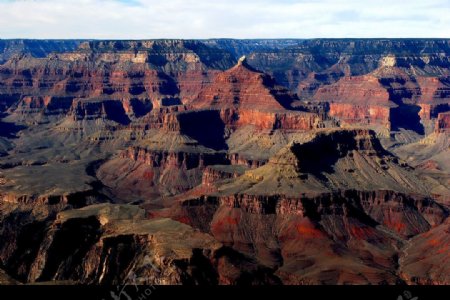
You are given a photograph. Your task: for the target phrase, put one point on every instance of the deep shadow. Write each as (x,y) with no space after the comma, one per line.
(27,235)
(211,56)
(9,130)
(136,88)
(168,85)
(326,204)
(170,101)
(199,270)
(157,59)
(7,100)
(141,107)
(116,112)
(407,117)
(59,104)
(250,272)
(205,126)
(73,86)
(321,154)
(118,253)
(281,94)
(69,247)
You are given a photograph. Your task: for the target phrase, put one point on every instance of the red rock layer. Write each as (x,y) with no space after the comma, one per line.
(163,118)
(289,120)
(433,90)
(164,73)
(161,158)
(443,123)
(356,114)
(212,175)
(285,232)
(357,99)
(431,111)
(360,90)
(156,158)
(394,219)
(247,97)
(192,82)
(144,173)
(242,87)
(426,261)
(139,173)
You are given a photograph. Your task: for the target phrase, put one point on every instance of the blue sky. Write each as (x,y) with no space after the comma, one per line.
(141,19)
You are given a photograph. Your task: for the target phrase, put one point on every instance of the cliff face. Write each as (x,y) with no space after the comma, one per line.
(284,229)
(338,159)
(174,162)
(147,173)
(263,119)
(331,59)
(413,263)
(245,96)
(37,48)
(153,173)
(164,73)
(359,99)
(284,233)
(112,244)
(106,243)
(388,97)
(370,74)
(361,114)
(443,122)
(238,87)
(411,73)
(361,90)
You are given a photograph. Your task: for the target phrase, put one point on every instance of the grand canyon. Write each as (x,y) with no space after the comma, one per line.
(225,161)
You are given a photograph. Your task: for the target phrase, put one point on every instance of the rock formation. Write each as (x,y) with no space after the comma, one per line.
(177,162)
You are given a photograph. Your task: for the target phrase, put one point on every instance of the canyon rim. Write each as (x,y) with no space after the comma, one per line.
(225,161)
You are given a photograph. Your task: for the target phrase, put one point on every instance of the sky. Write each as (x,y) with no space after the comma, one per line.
(194,19)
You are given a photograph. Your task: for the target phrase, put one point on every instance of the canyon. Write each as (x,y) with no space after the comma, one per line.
(225,162)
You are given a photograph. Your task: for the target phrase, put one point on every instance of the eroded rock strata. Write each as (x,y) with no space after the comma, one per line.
(225,161)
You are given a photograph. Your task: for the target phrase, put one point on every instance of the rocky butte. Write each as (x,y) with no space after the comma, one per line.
(207,162)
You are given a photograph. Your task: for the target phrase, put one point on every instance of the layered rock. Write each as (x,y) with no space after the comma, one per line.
(235,118)
(245,96)
(362,90)
(285,232)
(359,99)
(332,59)
(349,113)
(388,96)
(37,48)
(336,159)
(424,260)
(443,122)
(216,173)
(434,90)
(419,98)
(283,212)
(150,174)
(228,177)
(429,111)
(43,104)
(244,87)
(164,73)
(112,244)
